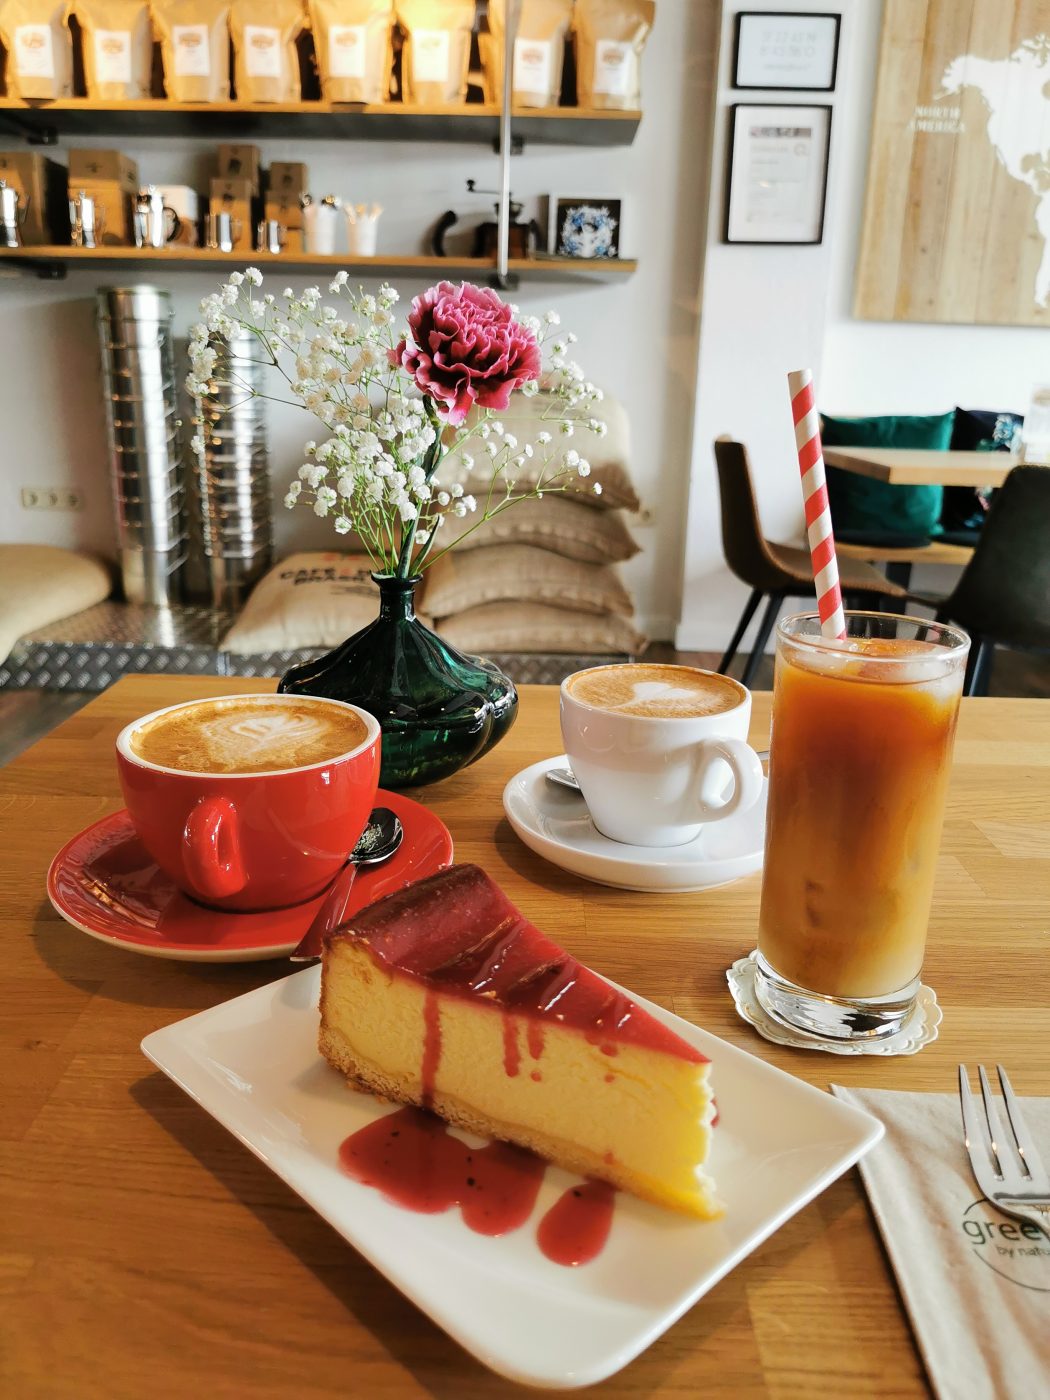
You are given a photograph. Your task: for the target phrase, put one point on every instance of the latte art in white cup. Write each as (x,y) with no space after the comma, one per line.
(659,750)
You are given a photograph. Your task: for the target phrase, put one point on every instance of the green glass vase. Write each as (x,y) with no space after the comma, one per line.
(439,709)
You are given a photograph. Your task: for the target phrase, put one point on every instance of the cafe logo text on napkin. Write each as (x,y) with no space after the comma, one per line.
(1015,1250)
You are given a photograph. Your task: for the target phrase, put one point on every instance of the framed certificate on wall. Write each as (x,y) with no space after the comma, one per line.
(777,173)
(786,52)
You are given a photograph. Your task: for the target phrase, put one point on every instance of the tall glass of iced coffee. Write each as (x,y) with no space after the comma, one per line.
(860,756)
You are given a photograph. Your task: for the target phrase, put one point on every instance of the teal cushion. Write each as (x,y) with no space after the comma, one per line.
(861,507)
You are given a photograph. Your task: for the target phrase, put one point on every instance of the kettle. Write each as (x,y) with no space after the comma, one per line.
(156,223)
(85,221)
(14,207)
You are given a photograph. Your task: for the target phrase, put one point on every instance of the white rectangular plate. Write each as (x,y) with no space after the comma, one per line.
(253,1064)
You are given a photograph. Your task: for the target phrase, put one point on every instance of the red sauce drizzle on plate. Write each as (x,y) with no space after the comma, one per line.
(576,1227)
(412,1158)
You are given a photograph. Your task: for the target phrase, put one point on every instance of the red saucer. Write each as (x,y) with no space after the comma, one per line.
(105,884)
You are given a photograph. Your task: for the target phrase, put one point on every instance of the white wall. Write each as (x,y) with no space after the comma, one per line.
(769,310)
(638,339)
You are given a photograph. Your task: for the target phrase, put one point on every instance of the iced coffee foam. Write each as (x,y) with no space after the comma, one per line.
(655,692)
(248,736)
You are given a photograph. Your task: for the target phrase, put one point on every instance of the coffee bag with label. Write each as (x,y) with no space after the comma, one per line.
(195,46)
(39,48)
(539,52)
(353,40)
(436,54)
(610,37)
(266,61)
(117,41)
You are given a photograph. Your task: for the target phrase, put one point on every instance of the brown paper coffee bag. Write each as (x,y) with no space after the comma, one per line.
(610,37)
(539,52)
(353,40)
(266,61)
(436,54)
(195,47)
(39,48)
(117,41)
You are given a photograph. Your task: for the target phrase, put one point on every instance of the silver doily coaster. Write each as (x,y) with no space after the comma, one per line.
(918,1030)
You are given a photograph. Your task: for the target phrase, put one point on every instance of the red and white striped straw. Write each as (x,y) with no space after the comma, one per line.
(815,496)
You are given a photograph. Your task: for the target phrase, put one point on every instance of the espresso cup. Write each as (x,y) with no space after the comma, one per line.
(248,840)
(659,751)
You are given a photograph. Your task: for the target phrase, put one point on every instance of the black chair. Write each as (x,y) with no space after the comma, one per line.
(1003,596)
(775,571)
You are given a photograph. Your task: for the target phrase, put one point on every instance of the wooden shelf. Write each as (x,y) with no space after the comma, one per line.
(53,260)
(44,122)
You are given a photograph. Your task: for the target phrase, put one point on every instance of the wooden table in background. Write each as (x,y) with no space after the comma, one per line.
(906,466)
(145,1252)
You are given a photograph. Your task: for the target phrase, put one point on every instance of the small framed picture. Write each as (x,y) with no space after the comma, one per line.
(777,173)
(786,52)
(583,228)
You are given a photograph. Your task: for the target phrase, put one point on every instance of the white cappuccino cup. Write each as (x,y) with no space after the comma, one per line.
(659,751)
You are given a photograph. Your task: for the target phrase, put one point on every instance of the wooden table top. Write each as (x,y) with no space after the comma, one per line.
(146,1252)
(906,466)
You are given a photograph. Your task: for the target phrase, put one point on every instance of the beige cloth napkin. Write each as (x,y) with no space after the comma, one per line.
(976,1283)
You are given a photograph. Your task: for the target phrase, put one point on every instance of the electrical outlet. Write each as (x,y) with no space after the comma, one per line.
(50,498)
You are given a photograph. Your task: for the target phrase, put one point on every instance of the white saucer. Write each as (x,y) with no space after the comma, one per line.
(554,823)
(919,1028)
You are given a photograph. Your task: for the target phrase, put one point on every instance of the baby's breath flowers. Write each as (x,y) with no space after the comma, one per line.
(396,403)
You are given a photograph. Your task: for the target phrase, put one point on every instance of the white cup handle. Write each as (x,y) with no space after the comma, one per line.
(746,768)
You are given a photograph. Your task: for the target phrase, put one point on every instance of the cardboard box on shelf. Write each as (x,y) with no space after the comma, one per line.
(113,210)
(112,180)
(42,184)
(286,179)
(87,163)
(288,212)
(234,196)
(240,162)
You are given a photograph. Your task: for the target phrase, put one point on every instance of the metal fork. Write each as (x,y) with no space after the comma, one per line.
(1006,1166)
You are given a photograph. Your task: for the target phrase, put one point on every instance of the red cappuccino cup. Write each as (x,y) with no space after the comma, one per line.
(251,802)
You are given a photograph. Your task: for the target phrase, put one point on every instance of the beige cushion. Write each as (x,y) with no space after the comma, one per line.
(556,523)
(609,456)
(40,583)
(523,572)
(307,601)
(537,627)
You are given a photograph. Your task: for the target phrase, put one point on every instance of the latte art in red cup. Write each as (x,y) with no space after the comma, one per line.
(251,802)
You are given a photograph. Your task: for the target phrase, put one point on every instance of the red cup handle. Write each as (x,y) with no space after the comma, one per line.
(211,849)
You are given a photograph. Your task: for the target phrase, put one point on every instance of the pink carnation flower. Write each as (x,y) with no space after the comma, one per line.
(466,348)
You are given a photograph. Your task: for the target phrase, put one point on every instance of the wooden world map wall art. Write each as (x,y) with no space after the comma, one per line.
(957,216)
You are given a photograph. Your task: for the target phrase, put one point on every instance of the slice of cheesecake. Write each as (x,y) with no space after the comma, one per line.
(445,996)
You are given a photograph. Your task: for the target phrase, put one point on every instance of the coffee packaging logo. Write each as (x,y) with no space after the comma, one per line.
(112,45)
(189,39)
(348,38)
(1015,1250)
(32,40)
(532,55)
(264,39)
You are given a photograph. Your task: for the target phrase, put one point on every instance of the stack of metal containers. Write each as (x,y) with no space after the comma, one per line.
(138,362)
(233,472)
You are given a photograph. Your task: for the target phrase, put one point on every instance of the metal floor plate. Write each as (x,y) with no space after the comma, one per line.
(92,649)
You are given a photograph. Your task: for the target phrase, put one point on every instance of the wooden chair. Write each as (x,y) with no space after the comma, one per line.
(899,561)
(1003,596)
(775,571)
